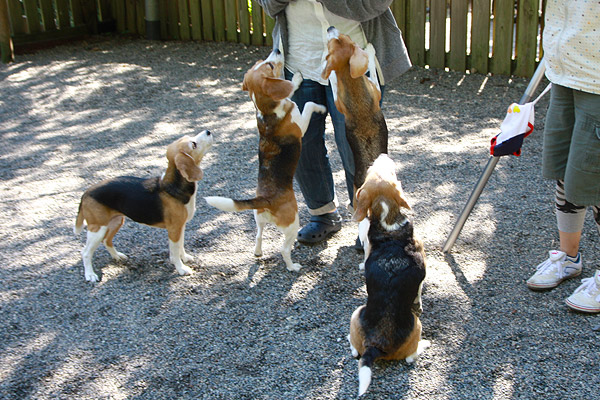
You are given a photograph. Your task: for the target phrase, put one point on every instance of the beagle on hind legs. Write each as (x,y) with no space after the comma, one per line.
(357,97)
(280,127)
(167,202)
(388,326)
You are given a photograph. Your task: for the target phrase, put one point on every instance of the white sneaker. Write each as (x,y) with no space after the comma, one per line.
(554,270)
(586,297)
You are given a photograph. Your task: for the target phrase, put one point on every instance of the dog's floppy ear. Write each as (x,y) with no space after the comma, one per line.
(244,84)
(328,68)
(359,62)
(276,88)
(398,197)
(185,164)
(363,200)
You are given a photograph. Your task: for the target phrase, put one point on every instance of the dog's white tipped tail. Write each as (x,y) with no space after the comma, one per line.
(364,368)
(222,203)
(364,380)
(226,204)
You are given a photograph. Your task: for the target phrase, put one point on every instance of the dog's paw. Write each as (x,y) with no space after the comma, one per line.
(294,267)
(116,255)
(423,344)
(361,266)
(91,277)
(187,258)
(297,80)
(184,270)
(320,109)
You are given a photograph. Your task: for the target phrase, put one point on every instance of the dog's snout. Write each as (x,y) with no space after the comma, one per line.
(205,136)
(332,33)
(277,51)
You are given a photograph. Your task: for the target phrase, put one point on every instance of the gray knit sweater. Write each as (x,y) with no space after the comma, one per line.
(376,20)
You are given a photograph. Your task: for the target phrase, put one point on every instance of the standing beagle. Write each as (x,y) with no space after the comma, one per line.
(388,326)
(280,127)
(166,202)
(357,97)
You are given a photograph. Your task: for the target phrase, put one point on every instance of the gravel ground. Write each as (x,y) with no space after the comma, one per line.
(242,327)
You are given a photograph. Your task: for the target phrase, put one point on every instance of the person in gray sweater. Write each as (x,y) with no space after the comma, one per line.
(300,32)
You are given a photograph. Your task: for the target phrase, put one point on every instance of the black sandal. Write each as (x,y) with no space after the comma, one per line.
(320,228)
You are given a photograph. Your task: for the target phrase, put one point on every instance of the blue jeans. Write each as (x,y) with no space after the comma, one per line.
(313,174)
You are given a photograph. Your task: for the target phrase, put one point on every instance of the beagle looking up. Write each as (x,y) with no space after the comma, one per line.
(280,127)
(357,97)
(166,202)
(388,326)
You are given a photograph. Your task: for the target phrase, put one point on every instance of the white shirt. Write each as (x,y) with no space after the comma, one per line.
(572,44)
(308,22)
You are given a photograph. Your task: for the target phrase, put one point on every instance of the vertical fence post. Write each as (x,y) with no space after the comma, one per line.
(503,37)
(526,40)
(458,35)
(480,36)
(47,11)
(184,20)
(244,18)
(416,32)
(207,20)
(219,19)
(231,20)
(437,35)
(6,46)
(152,20)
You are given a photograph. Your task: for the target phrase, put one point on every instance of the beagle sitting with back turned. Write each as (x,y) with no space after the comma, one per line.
(280,127)
(166,202)
(388,326)
(357,97)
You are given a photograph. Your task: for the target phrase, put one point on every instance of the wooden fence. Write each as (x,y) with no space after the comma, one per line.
(497,36)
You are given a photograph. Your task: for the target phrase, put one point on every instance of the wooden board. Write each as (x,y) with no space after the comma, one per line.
(437,34)
(526,41)
(503,37)
(458,35)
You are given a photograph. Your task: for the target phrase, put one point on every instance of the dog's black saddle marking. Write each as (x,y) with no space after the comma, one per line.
(137,198)
(394,271)
(280,167)
(179,188)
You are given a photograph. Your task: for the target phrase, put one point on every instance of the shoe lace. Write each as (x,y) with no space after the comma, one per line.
(551,266)
(589,288)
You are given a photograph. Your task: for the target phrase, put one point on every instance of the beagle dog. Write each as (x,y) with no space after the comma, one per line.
(388,326)
(357,97)
(166,202)
(280,127)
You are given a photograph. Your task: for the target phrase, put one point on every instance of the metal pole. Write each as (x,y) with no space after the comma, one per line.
(489,168)
(152,20)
